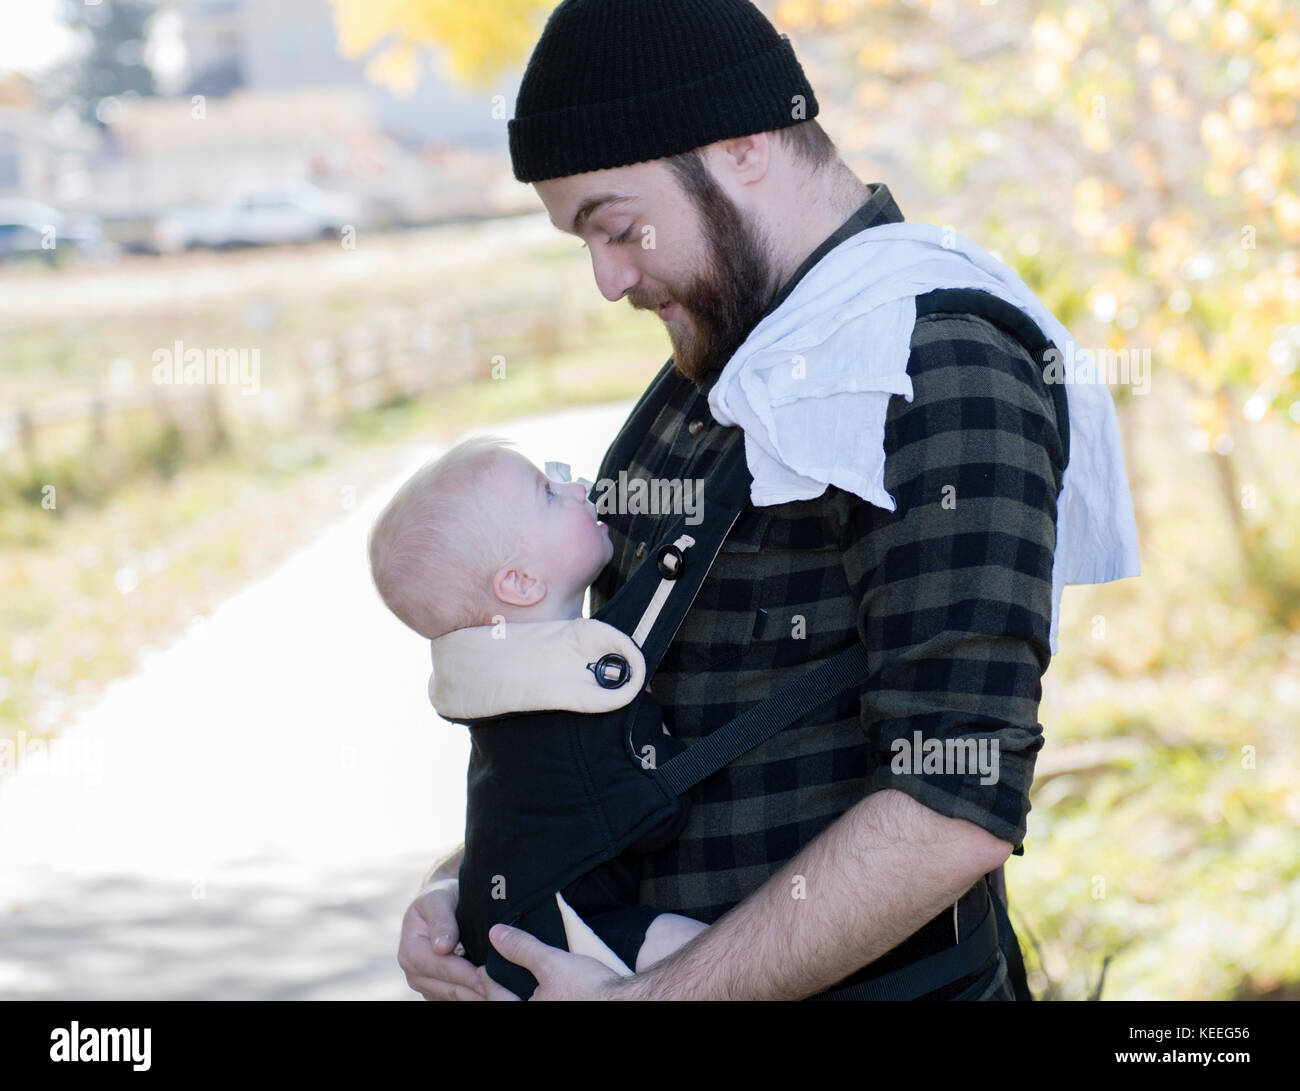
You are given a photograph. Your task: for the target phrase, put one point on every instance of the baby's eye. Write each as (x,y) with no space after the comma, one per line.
(550,492)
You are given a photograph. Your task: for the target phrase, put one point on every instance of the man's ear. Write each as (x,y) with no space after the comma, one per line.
(514,585)
(744,158)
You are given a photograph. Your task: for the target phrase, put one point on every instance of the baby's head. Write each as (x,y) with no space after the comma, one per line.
(482,533)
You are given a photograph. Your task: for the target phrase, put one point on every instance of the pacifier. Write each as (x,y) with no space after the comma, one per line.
(563,473)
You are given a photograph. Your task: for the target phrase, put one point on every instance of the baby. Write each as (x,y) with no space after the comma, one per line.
(481,536)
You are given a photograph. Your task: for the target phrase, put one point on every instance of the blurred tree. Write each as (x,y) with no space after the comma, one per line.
(480,38)
(1135,160)
(114,62)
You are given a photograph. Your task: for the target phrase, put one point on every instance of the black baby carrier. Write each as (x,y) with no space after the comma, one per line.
(603,785)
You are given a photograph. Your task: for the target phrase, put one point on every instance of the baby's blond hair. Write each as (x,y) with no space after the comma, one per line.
(436,546)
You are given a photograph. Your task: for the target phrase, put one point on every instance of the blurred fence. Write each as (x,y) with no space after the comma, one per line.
(408,354)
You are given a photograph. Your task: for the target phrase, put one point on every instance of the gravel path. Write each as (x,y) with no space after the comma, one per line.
(247,816)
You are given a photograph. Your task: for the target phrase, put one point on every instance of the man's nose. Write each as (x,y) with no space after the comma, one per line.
(614,276)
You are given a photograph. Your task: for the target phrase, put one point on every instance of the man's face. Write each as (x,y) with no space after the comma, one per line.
(704,268)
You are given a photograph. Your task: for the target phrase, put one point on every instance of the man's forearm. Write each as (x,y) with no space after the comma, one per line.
(867,882)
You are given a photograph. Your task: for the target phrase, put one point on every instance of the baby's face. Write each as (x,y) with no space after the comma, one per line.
(554,521)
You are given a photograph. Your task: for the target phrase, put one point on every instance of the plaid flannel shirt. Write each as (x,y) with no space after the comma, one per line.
(951,594)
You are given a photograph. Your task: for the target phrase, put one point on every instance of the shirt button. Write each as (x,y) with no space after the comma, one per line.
(695,427)
(640,550)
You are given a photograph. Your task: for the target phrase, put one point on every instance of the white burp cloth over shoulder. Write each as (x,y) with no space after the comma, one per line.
(811,386)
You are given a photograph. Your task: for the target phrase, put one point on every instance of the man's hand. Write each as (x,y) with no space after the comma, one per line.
(560,975)
(429,935)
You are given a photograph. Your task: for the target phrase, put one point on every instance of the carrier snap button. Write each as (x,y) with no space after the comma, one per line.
(640,550)
(611,671)
(695,427)
(670,562)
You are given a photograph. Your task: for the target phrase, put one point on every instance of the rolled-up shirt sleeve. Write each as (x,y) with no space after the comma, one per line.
(955,585)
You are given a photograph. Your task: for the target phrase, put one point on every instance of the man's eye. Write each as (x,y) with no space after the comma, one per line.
(615,240)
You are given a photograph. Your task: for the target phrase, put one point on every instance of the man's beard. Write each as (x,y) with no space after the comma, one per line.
(721,306)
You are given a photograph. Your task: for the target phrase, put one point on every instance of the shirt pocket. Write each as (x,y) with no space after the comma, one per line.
(802,608)
(724,618)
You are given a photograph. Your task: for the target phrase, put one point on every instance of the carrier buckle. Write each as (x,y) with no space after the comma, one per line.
(670,561)
(611,670)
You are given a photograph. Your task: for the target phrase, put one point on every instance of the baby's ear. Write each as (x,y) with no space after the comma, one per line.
(514,585)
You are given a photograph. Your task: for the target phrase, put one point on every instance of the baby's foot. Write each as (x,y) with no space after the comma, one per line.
(666,933)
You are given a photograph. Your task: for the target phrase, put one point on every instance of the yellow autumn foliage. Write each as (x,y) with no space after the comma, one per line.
(479,39)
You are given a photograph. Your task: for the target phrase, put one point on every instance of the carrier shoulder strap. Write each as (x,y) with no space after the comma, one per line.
(653,602)
(719,748)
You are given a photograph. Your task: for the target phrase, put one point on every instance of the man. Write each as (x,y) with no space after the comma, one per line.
(815,858)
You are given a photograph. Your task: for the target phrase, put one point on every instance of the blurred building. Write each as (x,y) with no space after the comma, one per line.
(168,154)
(267,98)
(270,45)
(39,154)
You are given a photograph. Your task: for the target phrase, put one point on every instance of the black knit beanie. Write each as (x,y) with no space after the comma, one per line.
(616,82)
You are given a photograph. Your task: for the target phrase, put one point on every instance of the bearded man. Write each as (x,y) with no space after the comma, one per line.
(908,459)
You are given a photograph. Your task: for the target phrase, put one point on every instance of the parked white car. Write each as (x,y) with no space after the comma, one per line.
(258,215)
(31,229)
